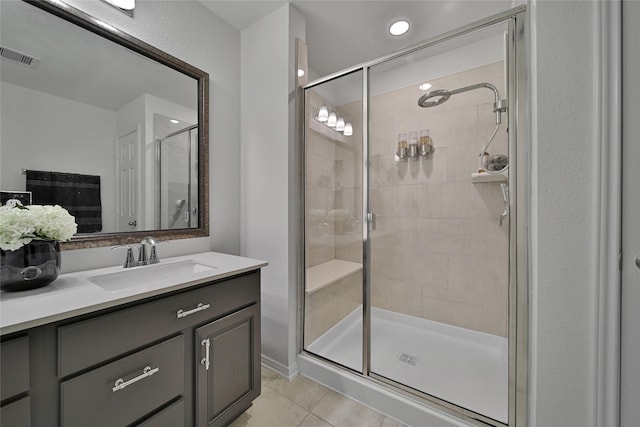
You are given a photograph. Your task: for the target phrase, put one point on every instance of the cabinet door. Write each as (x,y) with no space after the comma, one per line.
(228,372)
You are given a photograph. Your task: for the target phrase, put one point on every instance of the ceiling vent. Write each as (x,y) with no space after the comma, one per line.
(18,57)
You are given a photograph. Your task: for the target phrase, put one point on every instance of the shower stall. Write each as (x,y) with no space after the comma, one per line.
(177,179)
(414,222)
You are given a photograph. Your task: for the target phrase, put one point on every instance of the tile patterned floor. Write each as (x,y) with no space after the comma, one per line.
(305,403)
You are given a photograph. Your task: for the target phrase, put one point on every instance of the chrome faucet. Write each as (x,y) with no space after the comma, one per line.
(153,253)
(143,259)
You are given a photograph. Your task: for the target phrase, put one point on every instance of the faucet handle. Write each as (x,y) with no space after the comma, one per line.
(130,260)
(153,256)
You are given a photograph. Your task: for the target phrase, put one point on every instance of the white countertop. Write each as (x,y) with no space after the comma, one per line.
(73,294)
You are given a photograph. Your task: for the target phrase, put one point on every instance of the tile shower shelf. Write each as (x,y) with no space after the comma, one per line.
(489,177)
(323,275)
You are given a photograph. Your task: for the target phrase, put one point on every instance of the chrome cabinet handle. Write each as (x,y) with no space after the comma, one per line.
(205,360)
(181,313)
(120,384)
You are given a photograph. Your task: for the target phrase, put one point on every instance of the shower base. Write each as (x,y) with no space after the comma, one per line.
(461,366)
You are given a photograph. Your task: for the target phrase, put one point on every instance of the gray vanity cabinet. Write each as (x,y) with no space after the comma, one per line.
(14,382)
(228,372)
(140,363)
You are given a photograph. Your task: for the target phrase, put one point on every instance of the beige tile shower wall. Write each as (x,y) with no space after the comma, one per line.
(349,190)
(319,193)
(333,193)
(438,251)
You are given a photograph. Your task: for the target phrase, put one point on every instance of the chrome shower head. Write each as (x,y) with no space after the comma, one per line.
(441,96)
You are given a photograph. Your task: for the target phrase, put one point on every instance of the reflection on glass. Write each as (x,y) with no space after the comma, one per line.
(333,229)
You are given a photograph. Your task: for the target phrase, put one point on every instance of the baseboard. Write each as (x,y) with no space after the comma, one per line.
(288,372)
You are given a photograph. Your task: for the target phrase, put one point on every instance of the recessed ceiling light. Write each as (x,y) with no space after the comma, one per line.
(425,86)
(399,27)
(124,4)
(300,72)
(174,121)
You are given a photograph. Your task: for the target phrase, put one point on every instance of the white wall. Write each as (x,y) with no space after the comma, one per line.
(564,211)
(191,32)
(84,130)
(266,174)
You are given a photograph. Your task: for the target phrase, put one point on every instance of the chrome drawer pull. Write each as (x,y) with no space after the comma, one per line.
(146,372)
(181,313)
(205,361)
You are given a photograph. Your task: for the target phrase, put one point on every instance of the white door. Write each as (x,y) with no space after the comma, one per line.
(127,161)
(630,340)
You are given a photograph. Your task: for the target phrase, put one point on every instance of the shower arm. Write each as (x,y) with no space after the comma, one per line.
(499,105)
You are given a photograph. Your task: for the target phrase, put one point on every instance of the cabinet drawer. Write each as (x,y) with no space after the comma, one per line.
(14,367)
(87,343)
(16,414)
(173,416)
(93,399)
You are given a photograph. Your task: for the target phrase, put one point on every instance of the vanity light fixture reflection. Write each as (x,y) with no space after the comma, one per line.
(323,114)
(348,129)
(340,124)
(332,120)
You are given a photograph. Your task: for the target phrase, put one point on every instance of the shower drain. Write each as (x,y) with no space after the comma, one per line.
(408,359)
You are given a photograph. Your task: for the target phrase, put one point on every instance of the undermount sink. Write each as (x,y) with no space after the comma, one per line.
(152,275)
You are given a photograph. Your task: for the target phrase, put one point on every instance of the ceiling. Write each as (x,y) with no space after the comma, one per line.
(340,34)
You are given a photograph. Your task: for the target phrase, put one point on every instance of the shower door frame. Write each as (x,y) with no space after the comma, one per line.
(518,303)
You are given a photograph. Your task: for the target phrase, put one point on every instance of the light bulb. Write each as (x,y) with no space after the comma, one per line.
(323,114)
(124,4)
(398,28)
(332,120)
(300,72)
(348,129)
(340,124)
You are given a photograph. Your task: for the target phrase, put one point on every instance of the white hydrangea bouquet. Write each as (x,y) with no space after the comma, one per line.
(19,225)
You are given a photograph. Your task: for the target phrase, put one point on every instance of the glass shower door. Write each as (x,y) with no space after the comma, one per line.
(439,253)
(333,226)
(177,180)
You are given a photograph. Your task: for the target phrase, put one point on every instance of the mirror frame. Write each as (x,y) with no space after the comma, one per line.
(101,28)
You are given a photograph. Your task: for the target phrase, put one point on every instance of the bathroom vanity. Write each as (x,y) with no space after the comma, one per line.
(111,347)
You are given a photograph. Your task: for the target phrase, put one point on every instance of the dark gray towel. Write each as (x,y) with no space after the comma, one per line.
(79,194)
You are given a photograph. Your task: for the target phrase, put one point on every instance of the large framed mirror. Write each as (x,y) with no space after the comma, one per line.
(103,124)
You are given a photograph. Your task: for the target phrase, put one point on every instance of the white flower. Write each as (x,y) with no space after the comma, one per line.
(20,225)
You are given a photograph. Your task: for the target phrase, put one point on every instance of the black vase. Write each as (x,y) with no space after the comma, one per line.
(32,266)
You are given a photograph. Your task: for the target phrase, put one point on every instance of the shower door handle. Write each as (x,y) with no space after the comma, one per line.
(371,219)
